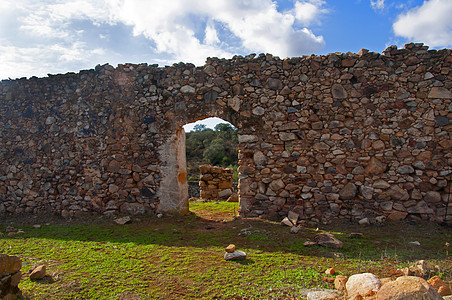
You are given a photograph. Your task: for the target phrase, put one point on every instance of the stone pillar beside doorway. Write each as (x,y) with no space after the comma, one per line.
(173,192)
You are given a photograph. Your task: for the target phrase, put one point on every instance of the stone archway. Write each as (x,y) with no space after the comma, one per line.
(109,139)
(173,192)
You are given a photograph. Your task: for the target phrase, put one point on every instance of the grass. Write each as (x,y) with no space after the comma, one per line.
(182,258)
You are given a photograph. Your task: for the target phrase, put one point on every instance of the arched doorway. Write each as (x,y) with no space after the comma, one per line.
(173,192)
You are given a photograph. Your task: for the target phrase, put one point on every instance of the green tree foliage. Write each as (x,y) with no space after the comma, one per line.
(217,147)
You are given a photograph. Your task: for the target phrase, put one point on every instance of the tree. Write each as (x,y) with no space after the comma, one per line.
(217,147)
(199,127)
(215,152)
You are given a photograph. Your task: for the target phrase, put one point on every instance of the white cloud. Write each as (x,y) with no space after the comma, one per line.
(308,12)
(258,25)
(377,5)
(430,23)
(42,59)
(211,34)
(46,39)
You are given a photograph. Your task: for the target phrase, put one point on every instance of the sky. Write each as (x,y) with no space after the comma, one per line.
(40,37)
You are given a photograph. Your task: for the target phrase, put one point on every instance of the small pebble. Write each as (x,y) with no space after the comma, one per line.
(330,271)
(230,248)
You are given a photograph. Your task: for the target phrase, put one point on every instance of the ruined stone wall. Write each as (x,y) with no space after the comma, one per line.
(341,135)
(215,183)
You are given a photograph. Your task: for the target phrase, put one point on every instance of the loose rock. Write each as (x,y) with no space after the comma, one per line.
(38,272)
(362,285)
(327,240)
(409,288)
(123,220)
(230,248)
(236,255)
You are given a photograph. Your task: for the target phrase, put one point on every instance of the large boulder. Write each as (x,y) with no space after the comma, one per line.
(362,285)
(408,288)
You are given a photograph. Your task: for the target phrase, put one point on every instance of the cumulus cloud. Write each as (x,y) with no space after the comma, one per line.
(257,24)
(46,35)
(430,23)
(308,12)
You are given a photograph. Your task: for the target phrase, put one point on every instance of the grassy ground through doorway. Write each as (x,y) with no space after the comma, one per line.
(182,258)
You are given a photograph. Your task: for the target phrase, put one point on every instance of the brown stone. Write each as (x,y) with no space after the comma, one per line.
(338,91)
(15,279)
(398,193)
(409,288)
(375,167)
(230,248)
(114,166)
(348,192)
(276,185)
(363,285)
(439,285)
(327,240)
(378,145)
(233,198)
(38,272)
(339,282)
(397,216)
(440,92)
(328,279)
(9,264)
(330,271)
(432,197)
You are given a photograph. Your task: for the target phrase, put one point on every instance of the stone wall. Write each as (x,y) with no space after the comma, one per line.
(10,276)
(193,189)
(341,135)
(215,183)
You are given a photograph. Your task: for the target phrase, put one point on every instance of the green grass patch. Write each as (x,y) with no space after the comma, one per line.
(217,207)
(182,258)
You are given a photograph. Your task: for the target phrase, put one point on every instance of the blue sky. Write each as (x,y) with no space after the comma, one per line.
(38,37)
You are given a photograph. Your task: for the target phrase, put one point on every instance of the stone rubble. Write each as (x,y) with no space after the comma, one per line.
(369,286)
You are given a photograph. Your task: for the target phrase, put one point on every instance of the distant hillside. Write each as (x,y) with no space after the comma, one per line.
(216,147)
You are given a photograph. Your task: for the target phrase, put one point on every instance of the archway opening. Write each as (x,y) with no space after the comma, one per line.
(212,163)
